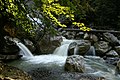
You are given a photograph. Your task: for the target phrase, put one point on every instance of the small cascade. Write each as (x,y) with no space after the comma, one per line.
(91,51)
(62,50)
(53,64)
(24,50)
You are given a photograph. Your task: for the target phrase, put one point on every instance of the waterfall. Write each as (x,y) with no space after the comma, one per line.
(53,64)
(91,51)
(63,49)
(24,50)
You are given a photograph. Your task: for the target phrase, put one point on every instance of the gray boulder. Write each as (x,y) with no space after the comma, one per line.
(117,49)
(101,48)
(111,38)
(118,67)
(29,44)
(112,53)
(91,37)
(71,48)
(82,48)
(48,44)
(75,63)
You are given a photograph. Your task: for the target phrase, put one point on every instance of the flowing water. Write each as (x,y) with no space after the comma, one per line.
(23,49)
(51,67)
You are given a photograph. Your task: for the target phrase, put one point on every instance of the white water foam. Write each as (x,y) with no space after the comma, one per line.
(46,59)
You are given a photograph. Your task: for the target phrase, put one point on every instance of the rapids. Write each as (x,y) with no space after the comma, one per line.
(51,67)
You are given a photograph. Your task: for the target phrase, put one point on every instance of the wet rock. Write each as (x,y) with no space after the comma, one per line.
(117,49)
(88,77)
(101,48)
(9,57)
(29,44)
(91,51)
(48,44)
(112,60)
(82,48)
(91,37)
(118,66)
(12,73)
(112,53)
(10,50)
(111,38)
(71,48)
(86,36)
(69,35)
(79,36)
(75,63)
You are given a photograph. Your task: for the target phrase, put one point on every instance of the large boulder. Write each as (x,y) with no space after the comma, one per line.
(71,48)
(101,48)
(75,63)
(111,38)
(48,44)
(82,48)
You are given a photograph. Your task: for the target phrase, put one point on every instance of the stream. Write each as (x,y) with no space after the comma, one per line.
(51,66)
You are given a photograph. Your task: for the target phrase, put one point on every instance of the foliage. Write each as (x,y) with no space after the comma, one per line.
(53,10)
(107,13)
(83,11)
(15,13)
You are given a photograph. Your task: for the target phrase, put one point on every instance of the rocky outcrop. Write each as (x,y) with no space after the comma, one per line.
(75,63)
(12,73)
(48,44)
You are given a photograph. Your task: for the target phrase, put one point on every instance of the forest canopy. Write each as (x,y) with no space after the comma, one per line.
(27,18)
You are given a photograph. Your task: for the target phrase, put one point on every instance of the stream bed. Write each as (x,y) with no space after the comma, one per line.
(51,67)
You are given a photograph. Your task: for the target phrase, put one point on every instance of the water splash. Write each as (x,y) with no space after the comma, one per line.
(94,65)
